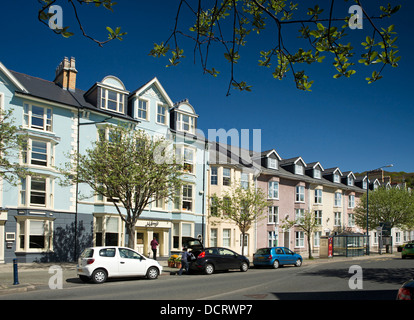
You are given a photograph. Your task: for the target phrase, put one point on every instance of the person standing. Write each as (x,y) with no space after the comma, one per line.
(154,245)
(184,261)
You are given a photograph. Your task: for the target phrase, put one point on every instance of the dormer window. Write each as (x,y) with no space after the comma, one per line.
(350,181)
(109,94)
(183,117)
(298,169)
(185,123)
(336,178)
(272,163)
(112,100)
(317,174)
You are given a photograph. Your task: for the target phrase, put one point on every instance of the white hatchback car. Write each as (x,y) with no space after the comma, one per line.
(100,263)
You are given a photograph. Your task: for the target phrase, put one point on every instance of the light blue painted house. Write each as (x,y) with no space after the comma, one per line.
(41,220)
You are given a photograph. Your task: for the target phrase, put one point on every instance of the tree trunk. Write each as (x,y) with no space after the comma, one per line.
(309,247)
(131,234)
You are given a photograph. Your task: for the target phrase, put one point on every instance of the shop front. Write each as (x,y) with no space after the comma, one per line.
(146,231)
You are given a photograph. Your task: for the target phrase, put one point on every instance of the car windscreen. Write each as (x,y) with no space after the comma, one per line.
(263,251)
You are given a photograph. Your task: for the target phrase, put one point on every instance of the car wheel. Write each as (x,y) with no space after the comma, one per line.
(244,267)
(275,264)
(209,268)
(298,263)
(152,273)
(84,278)
(99,276)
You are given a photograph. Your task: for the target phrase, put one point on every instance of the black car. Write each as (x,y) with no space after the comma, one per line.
(216,258)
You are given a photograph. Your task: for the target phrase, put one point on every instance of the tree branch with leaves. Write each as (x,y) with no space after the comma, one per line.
(242,205)
(124,169)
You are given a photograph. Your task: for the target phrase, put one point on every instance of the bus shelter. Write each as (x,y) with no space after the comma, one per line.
(350,244)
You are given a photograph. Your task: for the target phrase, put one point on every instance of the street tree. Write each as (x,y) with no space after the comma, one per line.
(393,206)
(241,205)
(12,144)
(124,167)
(220,30)
(306,223)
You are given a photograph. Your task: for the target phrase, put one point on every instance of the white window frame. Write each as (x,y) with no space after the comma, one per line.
(338,199)
(273,190)
(24,222)
(27,155)
(214,176)
(272,238)
(25,192)
(28,118)
(336,178)
(351,220)
(227,178)
(244,180)
(318,217)
(317,174)
(272,163)
(181,123)
(299,169)
(164,115)
(100,225)
(226,238)
(318,196)
(337,218)
(147,109)
(120,100)
(273,215)
(300,194)
(213,237)
(299,239)
(351,201)
(299,215)
(317,238)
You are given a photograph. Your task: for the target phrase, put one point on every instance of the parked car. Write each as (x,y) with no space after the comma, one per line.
(100,263)
(216,258)
(407,250)
(400,248)
(406,292)
(275,257)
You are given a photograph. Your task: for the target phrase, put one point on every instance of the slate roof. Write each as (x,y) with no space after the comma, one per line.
(50,91)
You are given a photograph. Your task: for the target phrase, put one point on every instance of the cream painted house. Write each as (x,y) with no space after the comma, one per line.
(222,175)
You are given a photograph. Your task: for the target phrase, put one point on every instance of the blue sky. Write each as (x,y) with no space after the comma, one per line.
(345,123)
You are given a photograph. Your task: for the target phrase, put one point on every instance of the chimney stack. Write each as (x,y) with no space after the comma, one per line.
(66,74)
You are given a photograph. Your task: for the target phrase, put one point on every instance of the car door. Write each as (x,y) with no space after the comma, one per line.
(289,256)
(131,263)
(281,256)
(229,259)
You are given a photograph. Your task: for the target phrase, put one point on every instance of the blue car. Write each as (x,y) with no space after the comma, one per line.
(275,257)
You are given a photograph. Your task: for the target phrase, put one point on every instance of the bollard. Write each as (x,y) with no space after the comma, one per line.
(15,273)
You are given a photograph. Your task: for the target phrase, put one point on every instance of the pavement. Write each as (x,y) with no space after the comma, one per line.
(32,276)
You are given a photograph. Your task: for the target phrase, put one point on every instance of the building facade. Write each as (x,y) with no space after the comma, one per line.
(44,220)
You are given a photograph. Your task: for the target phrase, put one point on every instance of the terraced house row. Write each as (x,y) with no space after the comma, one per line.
(43,220)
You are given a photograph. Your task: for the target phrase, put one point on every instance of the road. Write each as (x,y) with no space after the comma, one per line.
(380,279)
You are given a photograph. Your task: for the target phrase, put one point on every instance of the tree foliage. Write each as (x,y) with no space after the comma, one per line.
(393,206)
(12,143)
(306,223)
(124,169)
(224,28)
(241,205)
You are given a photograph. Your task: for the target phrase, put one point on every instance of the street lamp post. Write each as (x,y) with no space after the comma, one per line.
(387,166)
